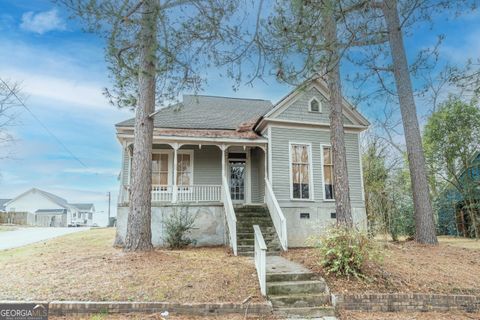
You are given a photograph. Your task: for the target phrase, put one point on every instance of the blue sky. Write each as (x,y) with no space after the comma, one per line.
(62,72)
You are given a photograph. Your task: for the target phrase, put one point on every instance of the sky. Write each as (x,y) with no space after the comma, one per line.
(62,72)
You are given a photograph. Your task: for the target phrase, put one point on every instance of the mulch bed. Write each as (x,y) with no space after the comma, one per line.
(407,267)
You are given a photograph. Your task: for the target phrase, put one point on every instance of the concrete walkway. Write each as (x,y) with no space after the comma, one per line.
(23,236)
(280,265)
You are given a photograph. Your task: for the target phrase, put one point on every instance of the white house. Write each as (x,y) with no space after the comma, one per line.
(49,210)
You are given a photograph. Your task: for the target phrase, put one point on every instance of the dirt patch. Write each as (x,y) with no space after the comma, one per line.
(408,316)
(85,267)
(407,267)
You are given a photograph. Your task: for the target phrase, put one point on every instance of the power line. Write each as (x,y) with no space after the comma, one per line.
(43,125)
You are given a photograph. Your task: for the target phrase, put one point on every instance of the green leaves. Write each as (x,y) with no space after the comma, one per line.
(346,252)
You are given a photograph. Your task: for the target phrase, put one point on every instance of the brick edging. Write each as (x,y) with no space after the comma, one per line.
(401,302)
(63,308)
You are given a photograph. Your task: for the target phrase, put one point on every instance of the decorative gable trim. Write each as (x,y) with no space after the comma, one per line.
(348,110)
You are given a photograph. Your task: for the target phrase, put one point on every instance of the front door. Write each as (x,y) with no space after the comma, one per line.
(237,179)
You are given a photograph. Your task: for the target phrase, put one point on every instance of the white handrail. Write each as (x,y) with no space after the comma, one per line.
(276,214)
(230,214)
(261,259)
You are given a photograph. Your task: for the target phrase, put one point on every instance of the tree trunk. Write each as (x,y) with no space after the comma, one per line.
(424,221)
(337,136)
(139,234)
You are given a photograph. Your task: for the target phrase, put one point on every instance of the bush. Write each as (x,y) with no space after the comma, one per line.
(177,227)
(346,252)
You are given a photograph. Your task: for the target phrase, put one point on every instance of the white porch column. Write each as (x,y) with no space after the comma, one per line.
(175,147)
(223,148)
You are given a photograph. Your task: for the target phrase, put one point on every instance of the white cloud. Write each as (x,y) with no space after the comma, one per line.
(94,170)
(42,22)
(60,89)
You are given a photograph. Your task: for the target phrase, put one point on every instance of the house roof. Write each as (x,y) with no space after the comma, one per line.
(82,206)
(56,199)
(208,112)
(51,211)
(2,203)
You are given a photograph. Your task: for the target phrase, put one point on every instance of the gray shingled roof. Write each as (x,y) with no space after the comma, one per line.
(208,112)
(82,206)
(2,203)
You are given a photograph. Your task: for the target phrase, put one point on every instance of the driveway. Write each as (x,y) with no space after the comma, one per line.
(24,236)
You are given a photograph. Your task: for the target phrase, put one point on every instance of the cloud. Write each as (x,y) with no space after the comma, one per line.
(42,22)
(94,170)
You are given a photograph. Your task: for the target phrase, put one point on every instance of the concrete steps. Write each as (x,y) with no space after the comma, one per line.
(247,217)
(295,291)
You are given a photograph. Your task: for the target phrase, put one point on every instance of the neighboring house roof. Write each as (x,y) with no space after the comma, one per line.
(83,206)
(56,199)
(51,211)
(208,112)
(2,204)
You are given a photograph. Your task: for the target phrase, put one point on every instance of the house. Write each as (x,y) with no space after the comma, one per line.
(48,210)
(2,204)
(85,213)
(229,159)
(454,218)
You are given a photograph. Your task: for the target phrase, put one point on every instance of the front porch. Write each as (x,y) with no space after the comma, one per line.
(193,174)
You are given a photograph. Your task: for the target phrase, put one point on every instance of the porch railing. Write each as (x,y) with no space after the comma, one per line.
(230,214)
(179,194)
(260,259)
(276,214)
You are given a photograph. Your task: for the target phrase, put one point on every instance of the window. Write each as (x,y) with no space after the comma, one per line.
(184,169)
(314,105)
(328,173)
(300,164)
(90,216)
(160,169)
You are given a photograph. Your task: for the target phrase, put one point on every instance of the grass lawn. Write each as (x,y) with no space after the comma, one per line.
(84,266)
(451,267)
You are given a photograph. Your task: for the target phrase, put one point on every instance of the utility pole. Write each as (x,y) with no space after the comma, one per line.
(109,196)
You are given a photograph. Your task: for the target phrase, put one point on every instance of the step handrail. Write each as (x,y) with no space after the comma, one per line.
(279,221)
(260,255)
(230,215)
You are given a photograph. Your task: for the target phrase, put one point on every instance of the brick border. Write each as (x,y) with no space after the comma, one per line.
(405,302)
(64,308)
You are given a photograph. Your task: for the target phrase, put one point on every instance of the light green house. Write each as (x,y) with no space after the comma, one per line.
(225,157)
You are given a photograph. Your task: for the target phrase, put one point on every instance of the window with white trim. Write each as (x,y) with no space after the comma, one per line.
(300,166)
(328,173)
(184,169)
(160,169)
(314,105)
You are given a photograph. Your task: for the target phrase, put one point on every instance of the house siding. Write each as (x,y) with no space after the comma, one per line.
(281,137)
(319,211)
(257,175)
(299,109)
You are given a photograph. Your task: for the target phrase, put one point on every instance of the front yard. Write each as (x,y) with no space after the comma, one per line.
(452,267)
(84,266)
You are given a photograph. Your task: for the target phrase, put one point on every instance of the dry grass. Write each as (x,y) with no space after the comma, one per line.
(410,267)
(84,266)
(409,316)
(7,228)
